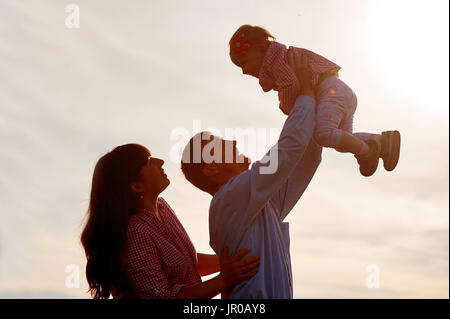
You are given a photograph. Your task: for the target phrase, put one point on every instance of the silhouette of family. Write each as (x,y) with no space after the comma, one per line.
(134,243)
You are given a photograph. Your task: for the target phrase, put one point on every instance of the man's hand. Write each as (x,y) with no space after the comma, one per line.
(300,67)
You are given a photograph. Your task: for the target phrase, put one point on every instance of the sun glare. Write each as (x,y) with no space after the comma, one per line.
(409,43)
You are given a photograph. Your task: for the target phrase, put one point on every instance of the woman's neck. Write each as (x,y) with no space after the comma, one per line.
(150,203)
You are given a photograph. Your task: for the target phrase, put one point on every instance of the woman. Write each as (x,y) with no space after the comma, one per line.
(136,247)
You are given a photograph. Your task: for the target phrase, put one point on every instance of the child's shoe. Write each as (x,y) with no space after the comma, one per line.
(368,163)
(390,149)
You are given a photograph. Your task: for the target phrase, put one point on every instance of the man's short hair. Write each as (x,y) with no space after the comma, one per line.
(192,162)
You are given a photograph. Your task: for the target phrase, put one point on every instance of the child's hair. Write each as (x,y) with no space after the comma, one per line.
(252,33)
(246,36)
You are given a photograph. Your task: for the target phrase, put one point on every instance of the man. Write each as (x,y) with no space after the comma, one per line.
(249,205)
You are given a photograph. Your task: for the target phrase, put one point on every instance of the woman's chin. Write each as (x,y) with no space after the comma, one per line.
(164,183)
(167,181)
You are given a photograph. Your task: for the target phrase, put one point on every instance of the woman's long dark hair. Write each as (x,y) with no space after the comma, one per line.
(111,205)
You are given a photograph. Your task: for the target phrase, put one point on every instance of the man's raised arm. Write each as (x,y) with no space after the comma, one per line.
(252,189)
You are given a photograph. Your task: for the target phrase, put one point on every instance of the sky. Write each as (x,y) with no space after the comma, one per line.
(142,72)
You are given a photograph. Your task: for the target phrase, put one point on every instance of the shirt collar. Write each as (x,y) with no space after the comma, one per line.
(265,73)
(149,216)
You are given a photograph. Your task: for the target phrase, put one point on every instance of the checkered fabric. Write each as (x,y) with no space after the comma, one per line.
(159,258)
(275,73)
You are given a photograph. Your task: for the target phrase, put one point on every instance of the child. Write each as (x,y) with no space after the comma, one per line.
(254,50)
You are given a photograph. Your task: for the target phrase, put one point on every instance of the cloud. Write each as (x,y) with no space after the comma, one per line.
(134,73)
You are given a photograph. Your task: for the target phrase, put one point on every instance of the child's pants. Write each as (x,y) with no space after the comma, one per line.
(336,105)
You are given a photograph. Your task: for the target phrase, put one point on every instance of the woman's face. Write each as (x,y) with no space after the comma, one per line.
(153,178)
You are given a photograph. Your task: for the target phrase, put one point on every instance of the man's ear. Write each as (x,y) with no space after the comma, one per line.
(210,170)
(137,187)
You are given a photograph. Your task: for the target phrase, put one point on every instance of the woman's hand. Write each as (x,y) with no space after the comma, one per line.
(207,264)
(235,269)
(300,67)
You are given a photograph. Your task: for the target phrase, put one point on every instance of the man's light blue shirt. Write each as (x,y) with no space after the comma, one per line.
(249,210)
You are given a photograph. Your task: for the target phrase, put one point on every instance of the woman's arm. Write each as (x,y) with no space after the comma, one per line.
(207,264)
(233,271)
